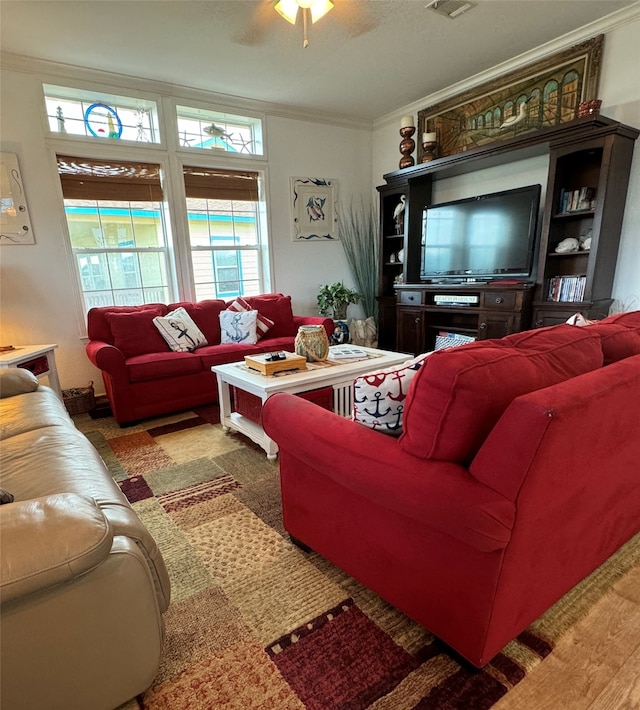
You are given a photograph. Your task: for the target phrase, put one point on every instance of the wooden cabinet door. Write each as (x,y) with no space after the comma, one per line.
(495,324)
(410,330)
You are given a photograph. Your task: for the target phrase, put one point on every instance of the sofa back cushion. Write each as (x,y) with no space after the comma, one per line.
(458,395)
(277,308)
(135,333)
(206,315)
(629,320)
(99,328)
(618,341)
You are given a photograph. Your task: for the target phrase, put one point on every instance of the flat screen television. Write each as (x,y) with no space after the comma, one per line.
(487,237)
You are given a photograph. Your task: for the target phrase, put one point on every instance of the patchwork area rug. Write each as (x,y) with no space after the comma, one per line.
(256,623)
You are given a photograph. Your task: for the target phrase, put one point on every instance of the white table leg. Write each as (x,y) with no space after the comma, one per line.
(54,380)
(224,402)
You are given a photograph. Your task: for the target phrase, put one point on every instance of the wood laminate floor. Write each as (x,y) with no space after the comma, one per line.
(596,666)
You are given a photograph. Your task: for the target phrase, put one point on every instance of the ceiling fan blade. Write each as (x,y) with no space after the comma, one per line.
(263,17)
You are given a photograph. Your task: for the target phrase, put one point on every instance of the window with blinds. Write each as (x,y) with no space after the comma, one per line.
(225,233)
(116,219)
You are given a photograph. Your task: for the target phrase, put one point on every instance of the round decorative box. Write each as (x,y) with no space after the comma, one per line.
(312,342)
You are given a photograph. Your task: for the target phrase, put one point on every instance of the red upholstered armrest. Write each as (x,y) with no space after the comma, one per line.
(373,465)
(315,320)
(106,357)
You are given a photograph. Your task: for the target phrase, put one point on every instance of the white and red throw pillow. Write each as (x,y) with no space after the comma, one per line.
(263,324)
(378,397)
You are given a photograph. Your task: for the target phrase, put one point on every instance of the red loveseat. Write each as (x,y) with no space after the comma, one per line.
(144,378)
(516,475)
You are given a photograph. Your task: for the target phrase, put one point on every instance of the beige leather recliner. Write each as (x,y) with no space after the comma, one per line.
(82,583)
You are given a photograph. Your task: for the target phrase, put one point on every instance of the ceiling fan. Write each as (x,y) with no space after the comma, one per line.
(311,9)
(356,17)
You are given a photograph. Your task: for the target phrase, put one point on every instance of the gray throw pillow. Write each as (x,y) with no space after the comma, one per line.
(17,380)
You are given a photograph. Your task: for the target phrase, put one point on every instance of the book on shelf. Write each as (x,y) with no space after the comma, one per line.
(568,289)
(583,198)
(346,353)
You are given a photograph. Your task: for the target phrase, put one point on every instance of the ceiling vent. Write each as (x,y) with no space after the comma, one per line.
(450,8)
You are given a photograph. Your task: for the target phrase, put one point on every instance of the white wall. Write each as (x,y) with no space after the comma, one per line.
(39,300)
(297,148)
(620,94)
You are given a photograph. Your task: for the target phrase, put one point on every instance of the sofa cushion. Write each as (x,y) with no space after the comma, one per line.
(379,397)
(206,315)
(618,341)
(238,327)
(179,331)
(225,353)
(153,366)
(17,380)
(630,319)
(620,336)
(458,395)
(98,327)
(263,324)
(277,308)
(134,333)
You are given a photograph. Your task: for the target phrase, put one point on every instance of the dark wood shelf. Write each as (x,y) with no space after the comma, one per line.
(575,213)
(595,151)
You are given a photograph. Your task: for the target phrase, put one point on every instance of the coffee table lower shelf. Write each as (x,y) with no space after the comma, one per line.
(338,376)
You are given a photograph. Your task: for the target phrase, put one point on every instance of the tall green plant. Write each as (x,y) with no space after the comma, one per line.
(357,225)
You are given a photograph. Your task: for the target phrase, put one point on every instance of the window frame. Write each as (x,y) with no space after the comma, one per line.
(171,157)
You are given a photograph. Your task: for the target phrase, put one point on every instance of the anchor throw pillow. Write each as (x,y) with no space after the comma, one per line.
(263,324)
(179,331)
(378,397)
(238,327)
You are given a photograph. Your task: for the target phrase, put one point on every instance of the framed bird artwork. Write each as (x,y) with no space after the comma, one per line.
(314,209)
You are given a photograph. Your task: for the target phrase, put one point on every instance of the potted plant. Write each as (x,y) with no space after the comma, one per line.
(333,300)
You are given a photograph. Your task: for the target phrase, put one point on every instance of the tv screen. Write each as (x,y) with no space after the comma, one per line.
(485,237)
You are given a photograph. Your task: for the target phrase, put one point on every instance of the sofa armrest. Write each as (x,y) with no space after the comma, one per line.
(107,357)
(373,465)
(328,324)
(48,541)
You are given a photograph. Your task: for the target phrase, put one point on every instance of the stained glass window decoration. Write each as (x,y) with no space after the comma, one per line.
(133,119)
(202,129)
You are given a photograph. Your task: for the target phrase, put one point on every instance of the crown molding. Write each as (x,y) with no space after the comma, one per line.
(603,26)
(114,83)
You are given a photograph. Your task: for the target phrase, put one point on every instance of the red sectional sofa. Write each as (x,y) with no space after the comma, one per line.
(144,378)
(516,475)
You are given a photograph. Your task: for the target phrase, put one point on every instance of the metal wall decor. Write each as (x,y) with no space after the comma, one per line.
(15,225)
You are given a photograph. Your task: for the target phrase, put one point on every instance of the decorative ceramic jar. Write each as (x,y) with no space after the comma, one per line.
(312,342)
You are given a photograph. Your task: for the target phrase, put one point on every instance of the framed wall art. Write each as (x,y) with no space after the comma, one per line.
(546,93)
(15,225)
(314,209)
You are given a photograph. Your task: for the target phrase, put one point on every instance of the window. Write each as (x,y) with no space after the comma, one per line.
(225,232)
(100,115)
(133,236)
(213,130)
(115,215)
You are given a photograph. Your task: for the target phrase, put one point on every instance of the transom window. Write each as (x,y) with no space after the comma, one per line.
(101,115)
(213,130)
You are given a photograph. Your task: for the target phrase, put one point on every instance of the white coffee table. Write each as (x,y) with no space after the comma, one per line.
(318,375)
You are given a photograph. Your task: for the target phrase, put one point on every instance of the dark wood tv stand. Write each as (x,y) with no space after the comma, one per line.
(491,311)
(593,152)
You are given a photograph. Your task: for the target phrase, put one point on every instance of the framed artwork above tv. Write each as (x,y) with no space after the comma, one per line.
(546,93)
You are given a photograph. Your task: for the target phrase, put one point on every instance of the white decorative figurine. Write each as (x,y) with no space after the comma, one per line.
(567,245)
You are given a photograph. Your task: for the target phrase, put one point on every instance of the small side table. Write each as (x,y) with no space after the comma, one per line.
(39,359)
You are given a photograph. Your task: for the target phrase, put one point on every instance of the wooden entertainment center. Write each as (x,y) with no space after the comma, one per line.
(593,152)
